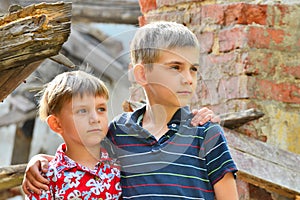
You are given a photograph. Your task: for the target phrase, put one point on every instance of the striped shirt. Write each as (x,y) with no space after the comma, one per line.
(184,163)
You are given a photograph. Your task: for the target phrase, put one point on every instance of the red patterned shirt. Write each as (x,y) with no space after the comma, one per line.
(70,180)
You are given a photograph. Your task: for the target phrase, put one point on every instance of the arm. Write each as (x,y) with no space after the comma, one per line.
(33,179)
(204,115)
(225,189)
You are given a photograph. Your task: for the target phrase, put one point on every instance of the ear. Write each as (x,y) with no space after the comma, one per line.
(139,73)
(54,124)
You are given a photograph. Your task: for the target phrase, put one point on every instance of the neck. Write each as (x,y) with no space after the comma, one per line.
(156,118)
(84,155)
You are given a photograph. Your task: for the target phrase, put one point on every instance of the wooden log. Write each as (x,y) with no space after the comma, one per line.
(11,176)
(28,35)
(104,11)
(265,166)
(236,119)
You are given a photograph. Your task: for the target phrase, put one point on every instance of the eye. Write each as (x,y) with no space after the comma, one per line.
(81,111)
(195,69)
(101,109)
(175,67)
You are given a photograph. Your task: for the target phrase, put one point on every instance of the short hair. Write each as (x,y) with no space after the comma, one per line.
(150,39)
(66,85)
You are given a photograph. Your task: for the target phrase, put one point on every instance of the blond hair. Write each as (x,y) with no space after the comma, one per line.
(150,39)
(66,85)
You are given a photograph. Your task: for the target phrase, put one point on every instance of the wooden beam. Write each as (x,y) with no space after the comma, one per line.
(11,176)
(104,11)
(265,166)
(16,116)
(236,119)
(96,57)
(29,35)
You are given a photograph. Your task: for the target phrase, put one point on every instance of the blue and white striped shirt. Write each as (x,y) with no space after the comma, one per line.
(184,163)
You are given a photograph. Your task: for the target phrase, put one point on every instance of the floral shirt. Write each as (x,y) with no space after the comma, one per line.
(70,180)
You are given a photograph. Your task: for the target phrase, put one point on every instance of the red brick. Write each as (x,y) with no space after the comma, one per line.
(212,14)
(233,87)
(292,71)
(231,39)
(241,13)
(206,41)
(276,35)
(257,38)
(283,92)
(260,63)
(147,5)
(196,17)
(142,20)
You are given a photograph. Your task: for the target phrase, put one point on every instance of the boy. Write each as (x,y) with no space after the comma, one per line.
(74,104)
(161,154)
(156,144)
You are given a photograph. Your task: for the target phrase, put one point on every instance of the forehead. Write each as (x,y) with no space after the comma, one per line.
(183,54)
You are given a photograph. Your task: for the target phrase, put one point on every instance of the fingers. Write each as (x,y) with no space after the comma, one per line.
(33,180)
(216,119)
(44,165)
(25,187)
(203,115)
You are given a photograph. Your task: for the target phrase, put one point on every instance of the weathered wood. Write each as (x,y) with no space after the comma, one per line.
(265,166)
(236,119)
(11,176)
(16,116)
(28,35)
(108,65)
(104,11)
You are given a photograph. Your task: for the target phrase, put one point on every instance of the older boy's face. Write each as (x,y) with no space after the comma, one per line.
(173,79)
(84,120)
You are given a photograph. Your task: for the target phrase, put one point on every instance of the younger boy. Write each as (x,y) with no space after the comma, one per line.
(74,104)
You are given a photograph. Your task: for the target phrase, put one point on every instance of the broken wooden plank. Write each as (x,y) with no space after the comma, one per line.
(109,66)
(28,35)
(236,119)
(265,166)
(11,176)
(16,116)
(104,11)
(21,103)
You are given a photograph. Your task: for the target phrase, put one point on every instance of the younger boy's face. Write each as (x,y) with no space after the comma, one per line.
(173,79)
(84,120)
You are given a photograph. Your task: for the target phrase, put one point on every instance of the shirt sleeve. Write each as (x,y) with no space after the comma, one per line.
(217,154)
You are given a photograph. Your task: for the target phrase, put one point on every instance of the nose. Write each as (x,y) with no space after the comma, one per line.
(187,77)
(94,118)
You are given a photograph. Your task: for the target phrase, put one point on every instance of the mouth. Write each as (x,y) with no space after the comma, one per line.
(94,130)
(184,92)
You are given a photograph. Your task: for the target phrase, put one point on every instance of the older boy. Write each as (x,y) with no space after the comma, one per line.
(74,104)
(161,154)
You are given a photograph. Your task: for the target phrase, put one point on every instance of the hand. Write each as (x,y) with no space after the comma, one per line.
(33,179)
(204,115)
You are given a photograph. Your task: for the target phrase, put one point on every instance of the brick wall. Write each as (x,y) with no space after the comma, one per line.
(249,59)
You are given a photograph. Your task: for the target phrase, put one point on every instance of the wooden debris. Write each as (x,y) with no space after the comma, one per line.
(104,11)
(236,119)
(61,59)
(28,35)
(11,176)
(265,166)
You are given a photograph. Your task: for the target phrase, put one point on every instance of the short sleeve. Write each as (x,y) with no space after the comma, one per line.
(217,154)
